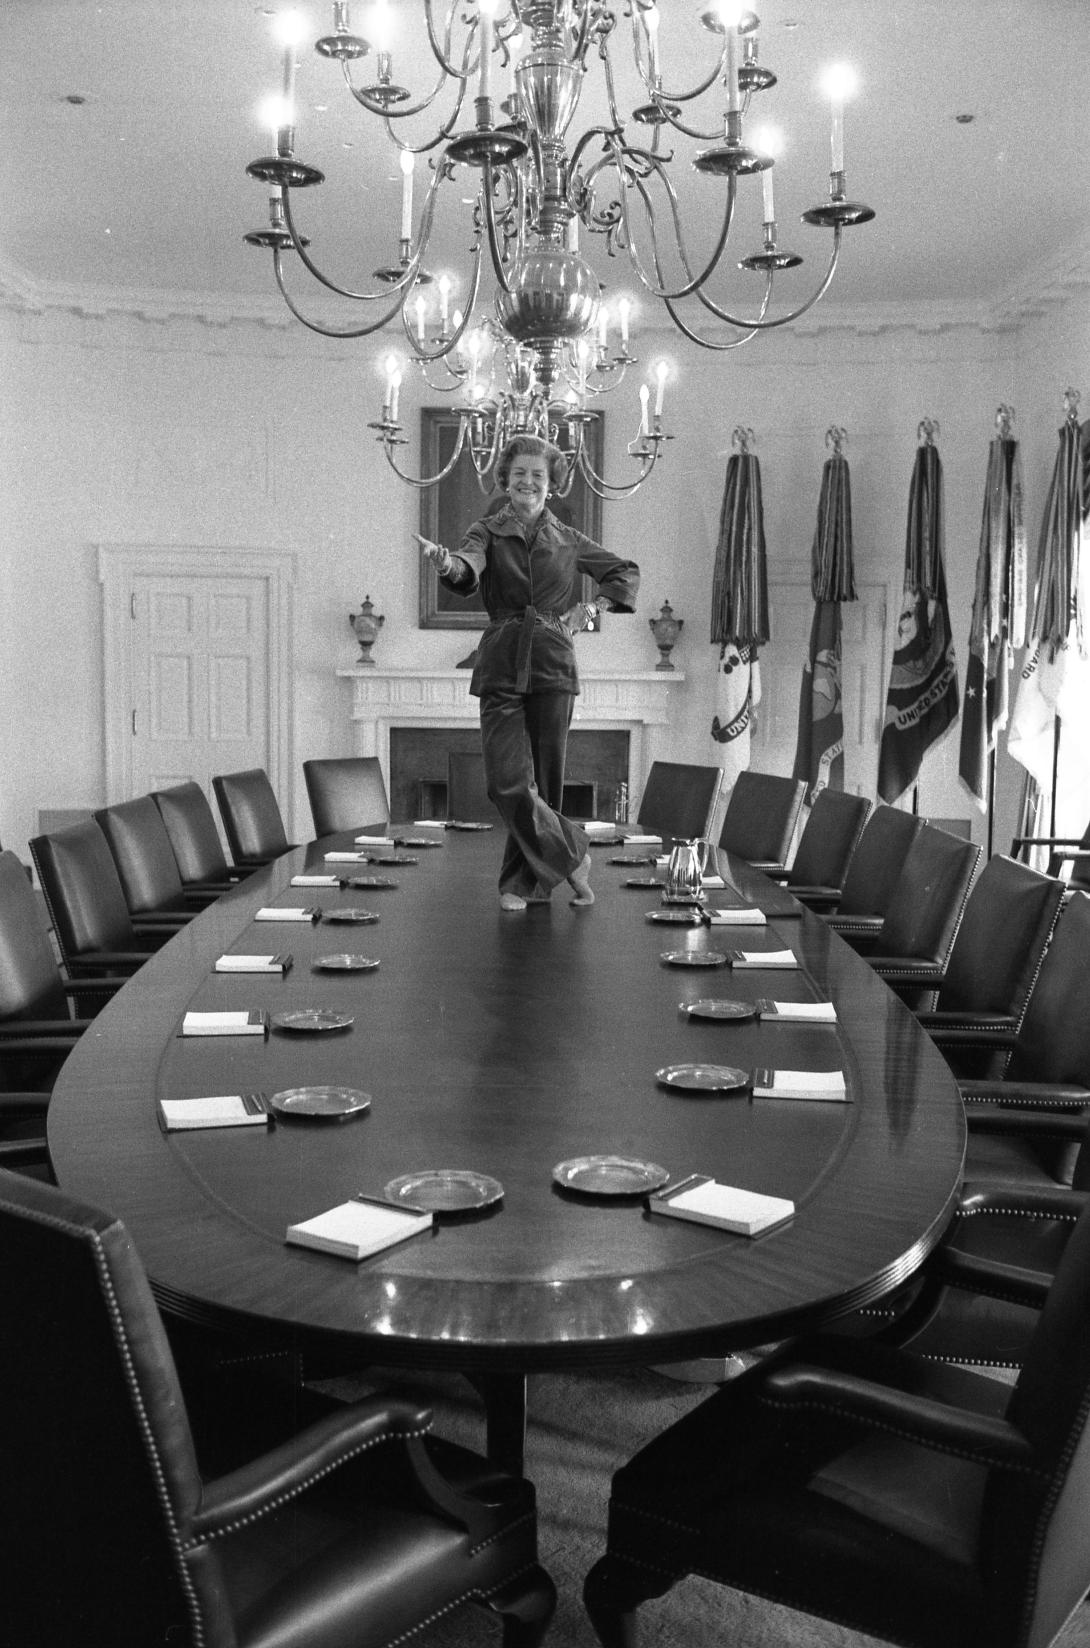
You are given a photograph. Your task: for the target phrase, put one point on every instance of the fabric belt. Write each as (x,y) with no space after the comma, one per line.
(527,617)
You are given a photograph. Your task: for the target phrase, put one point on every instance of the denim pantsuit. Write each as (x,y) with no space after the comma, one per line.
(526,679)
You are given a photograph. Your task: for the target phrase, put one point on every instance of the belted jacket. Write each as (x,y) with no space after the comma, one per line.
(527,582)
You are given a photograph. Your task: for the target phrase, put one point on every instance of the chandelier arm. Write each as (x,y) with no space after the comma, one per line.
(412,268)
(490,223)
(441,53)
(422,482)
(425,356)
(762,325)
(694,281)
(616,492)
(315,326)
(710,343)
(678,125)
(657,93)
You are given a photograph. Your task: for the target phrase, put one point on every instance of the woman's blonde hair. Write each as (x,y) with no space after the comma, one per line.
(531,446)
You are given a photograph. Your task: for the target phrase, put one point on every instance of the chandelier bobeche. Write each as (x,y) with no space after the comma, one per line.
(543,357)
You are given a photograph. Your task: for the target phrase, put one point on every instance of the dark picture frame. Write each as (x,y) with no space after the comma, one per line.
(450,508)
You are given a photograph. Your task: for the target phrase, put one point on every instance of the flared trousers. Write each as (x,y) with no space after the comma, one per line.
(524,736)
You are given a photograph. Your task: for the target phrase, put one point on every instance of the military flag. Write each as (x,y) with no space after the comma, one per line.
(922,700)
(998,625)
(739,622)
(819,749)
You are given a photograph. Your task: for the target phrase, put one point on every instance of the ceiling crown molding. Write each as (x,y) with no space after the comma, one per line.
(1045,286)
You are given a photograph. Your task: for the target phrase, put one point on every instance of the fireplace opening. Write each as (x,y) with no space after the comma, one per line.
(597,767)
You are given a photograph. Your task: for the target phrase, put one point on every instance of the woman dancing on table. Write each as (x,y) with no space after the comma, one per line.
(527,565)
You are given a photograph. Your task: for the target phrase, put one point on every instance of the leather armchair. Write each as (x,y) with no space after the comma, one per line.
(194,838)
(922,1504)
(760,819)
(251,817)
(924,913)
(360,1529)
(829,838)
(346,793)
(146,866)
(87,906)
(679,800)
(873,869)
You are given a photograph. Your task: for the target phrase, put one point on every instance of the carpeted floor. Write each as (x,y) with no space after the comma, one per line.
(581,1428)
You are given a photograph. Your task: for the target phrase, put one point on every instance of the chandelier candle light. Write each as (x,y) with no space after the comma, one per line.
(539,357)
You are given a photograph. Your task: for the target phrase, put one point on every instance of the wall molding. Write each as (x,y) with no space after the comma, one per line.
(1036,290)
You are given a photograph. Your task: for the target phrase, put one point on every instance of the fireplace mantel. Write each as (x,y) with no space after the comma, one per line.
(634,701)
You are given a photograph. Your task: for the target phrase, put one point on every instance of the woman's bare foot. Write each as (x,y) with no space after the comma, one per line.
(580,880)
(512,901)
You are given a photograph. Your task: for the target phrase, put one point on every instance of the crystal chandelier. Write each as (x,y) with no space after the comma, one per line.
(542,359)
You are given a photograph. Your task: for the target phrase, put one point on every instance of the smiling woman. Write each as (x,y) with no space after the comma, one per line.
(527,566)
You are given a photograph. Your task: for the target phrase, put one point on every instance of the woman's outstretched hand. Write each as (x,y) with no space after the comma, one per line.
(435,552)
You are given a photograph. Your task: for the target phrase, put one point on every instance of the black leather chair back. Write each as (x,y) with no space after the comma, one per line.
(146,866)
(1054,1042)
(82,892)
(191,830)
(761,816)
(928,902)
(829,838)
(112,1538)
(876,864)
(679,800)
(30,985)
(346,793)
(94,1425)
(1008,921)
(251,816)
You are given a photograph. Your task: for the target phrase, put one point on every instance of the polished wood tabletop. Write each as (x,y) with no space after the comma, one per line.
(508,1043)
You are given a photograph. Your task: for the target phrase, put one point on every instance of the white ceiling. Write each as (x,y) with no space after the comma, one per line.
(142,187)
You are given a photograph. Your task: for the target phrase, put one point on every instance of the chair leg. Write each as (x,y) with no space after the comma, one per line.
(526,1609)
(612,1592)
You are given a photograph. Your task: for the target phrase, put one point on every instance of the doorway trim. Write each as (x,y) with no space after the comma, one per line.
(118,565)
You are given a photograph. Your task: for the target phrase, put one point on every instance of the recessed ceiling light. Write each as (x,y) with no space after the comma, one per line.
(75,98)
(965,119)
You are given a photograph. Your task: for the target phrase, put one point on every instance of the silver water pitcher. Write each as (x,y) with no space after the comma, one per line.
(685,872)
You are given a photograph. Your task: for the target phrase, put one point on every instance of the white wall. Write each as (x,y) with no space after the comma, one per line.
(121,429)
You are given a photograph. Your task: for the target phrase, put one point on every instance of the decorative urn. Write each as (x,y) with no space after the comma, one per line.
(366,623)
(666,629)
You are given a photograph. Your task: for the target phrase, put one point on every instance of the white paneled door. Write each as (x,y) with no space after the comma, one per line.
(200,678)
(196,664)
(864,675)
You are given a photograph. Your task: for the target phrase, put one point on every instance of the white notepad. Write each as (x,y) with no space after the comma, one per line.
(737,918)
(224,1024)
(782,959)
(221,1110)
(314,881)
(345,858)
(802,1012)
(800,1084)
(355,1229)
(287,912)
(374,841)
(253,964)
(429,823)
(599,826)
(728,1207)
(712,881)
(641,840)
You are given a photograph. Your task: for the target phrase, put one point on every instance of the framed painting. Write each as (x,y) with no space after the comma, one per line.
(450,508)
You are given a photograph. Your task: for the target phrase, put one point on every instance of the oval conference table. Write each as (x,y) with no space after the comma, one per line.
(507,1044)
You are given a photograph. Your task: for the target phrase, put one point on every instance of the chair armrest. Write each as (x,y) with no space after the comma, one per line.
(972,1033)
(906,970)
(767,866)
(1045,841)
(937,1022)
(921,1419)
(1035,1201)
(16,1153)
(21,1105)
(1023,1095)
(990,1278)
(861,925)
(62,1029)
(163,921)
(104,958)
(104,986)
(996,1121)
(815,898)
(36,1044)
(282,1474)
